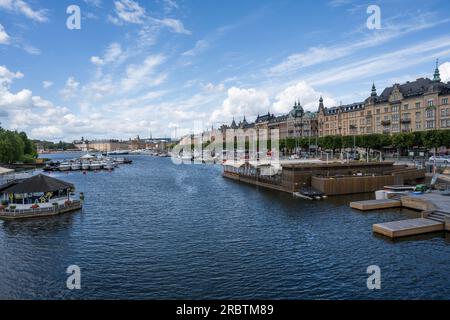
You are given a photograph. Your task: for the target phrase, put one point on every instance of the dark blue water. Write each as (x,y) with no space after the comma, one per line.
(154,230)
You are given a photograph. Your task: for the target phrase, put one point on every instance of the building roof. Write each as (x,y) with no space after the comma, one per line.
(344,108)
(38,183)
(415,88)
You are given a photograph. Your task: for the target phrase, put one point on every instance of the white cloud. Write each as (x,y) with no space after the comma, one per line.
(321,54)
(47,133)
(70,89)
(47,84)
(6,76)
(113,53)
(209,87)
(128,11)
(307,95)
(4,37)
(22,7)
(137,75)
(241,102)
(199,47)
(444,69)
(174,25)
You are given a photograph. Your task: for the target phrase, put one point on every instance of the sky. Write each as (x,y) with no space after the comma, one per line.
(164,67)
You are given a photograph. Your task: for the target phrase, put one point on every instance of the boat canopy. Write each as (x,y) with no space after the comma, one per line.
(87,157)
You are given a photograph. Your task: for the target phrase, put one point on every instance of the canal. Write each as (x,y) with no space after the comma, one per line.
(155,230)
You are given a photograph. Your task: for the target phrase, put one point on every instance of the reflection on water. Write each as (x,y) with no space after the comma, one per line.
(157,230)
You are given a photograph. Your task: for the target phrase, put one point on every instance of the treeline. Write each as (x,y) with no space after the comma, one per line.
(420,139)
(61,145)
(15,146)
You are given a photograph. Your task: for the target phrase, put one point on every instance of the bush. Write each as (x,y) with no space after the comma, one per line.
(12,207)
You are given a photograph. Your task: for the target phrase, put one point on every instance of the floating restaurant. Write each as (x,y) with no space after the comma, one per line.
(37,196)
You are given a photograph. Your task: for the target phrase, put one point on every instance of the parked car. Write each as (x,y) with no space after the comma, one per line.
(440,159)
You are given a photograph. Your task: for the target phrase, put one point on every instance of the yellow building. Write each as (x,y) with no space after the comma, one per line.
(419,105)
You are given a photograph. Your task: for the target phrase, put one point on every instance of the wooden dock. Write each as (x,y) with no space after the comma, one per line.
(409,227)
(375,204)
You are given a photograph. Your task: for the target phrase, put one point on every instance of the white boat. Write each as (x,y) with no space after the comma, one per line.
(64,166)
(76,166)
(85,165)
(108,165)
(95,166)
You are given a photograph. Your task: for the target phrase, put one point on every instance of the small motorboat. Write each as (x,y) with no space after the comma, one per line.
(65,166)
(75,166)
(96,166)
(310,193)
(85,165)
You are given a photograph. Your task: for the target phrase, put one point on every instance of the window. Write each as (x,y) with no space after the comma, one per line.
(418,114)
(417,105)
(443,112)
(418,126)
(394,108)
(430,102)
(443,123)
(386,109)
(395,127)
(378,111)
(431,124)
(445,101)
(430,113)
(395,117)
(406,107)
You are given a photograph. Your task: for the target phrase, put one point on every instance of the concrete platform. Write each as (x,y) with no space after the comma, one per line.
(375,204)
(409,227)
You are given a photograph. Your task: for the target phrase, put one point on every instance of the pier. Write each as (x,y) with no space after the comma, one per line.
(375,204)
(408,227)
(435,208)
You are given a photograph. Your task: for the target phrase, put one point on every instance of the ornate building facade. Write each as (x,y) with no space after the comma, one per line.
(413,106)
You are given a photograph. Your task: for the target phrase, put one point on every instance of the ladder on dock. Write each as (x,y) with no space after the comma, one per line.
(438,216)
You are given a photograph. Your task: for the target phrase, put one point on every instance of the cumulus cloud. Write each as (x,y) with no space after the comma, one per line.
(20,6)
(302,91)
(241,102)
(4,37)
(444,69)
(6,76)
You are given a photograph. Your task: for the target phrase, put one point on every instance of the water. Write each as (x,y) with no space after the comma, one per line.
(154,230)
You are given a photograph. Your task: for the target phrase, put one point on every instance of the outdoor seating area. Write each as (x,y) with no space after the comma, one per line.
(39,195)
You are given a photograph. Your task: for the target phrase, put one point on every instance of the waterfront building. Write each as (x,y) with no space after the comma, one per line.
(419,105)
(106,145)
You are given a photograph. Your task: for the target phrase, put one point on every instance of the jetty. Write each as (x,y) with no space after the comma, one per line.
(375,204)
(434,207)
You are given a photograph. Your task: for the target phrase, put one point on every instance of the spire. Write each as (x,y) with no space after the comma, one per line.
(374,90)
(437,76)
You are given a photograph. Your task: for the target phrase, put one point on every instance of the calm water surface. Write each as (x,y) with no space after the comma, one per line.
(154,230)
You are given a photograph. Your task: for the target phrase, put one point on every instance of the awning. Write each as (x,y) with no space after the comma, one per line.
(38,183)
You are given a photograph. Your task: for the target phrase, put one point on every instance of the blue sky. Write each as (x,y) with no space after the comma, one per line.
(141,67)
